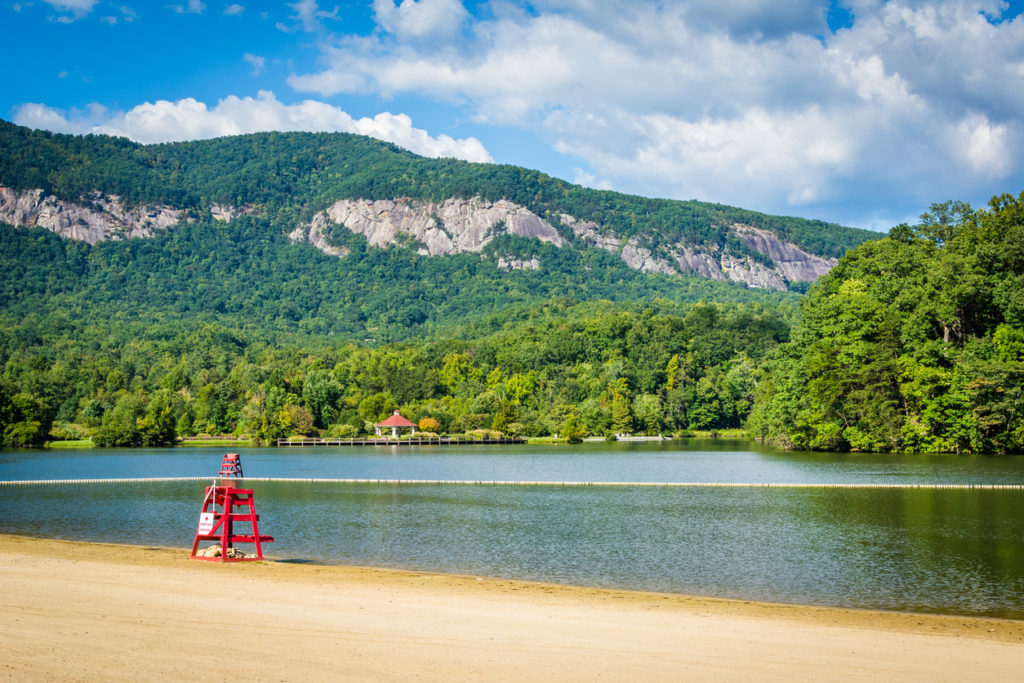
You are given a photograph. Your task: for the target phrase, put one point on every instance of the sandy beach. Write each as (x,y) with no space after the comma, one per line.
(87,611)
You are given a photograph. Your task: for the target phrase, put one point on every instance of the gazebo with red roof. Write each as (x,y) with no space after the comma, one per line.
(396,422)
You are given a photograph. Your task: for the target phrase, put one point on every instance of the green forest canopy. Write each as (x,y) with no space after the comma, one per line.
(912,343)
(292,175)
(590,367)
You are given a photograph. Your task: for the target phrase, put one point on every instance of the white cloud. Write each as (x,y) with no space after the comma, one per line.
(72,5)
(258,63)
(751,103)
(76,8)
(192,7)
(233,9)
(744,161)
(45,118)
(581,177)
(420,18)
(985,146)
(307,15)
(189,119)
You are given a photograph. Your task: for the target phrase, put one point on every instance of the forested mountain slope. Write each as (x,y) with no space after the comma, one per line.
(96,187)
(292,283)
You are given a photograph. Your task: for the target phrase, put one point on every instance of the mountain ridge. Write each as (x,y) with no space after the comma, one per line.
(233,202)
(454,226)
(307,172)
(96,188)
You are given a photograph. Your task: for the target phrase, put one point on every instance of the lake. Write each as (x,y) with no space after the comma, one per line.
(918,549)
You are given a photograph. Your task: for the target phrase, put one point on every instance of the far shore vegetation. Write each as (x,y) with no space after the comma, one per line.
(228,441)
(913,343)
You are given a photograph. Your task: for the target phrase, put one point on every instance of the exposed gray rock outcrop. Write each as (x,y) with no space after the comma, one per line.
(752,273)
(698,263)
(518,264)
(795,263)
(101,217)
(643,259)
(314,234)
(228,213)
(452,227)
(711,264)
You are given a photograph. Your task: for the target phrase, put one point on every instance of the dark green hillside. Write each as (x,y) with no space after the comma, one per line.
(245,275)
(291,175)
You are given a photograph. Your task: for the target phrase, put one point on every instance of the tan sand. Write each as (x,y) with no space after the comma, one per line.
(85,611)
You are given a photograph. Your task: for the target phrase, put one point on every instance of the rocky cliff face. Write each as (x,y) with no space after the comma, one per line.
(100,217)
(795,263)
(467,225)
(792,264)
(452,227)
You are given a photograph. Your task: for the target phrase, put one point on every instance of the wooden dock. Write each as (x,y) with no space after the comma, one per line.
(413,441)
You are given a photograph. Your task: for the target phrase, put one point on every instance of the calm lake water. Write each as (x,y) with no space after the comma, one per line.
(931,550)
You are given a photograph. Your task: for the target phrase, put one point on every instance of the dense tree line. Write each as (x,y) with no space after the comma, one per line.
(572,369)
(912,343)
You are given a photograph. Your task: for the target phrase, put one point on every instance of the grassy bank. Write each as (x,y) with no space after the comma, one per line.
(220,443)
(71,443)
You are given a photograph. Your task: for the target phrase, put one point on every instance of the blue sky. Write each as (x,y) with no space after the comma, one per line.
(859,111)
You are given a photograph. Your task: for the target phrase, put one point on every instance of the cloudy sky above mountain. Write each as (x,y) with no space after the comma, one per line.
(856,111)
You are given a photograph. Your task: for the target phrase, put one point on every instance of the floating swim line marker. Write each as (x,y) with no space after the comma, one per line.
(564,484)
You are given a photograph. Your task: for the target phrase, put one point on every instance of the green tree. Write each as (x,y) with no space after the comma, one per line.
(648,411)
(622,415)
(122,426)
(158,426)
(321,393)
(572,429)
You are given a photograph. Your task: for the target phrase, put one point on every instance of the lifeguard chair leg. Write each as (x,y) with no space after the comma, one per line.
(255,528)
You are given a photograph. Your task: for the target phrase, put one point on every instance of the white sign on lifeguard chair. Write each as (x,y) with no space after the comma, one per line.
(218,517)
(205,523)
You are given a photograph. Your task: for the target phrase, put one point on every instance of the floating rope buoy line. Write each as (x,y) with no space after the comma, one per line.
(564,484)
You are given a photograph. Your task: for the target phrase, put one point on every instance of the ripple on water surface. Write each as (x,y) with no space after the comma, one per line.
(954,551)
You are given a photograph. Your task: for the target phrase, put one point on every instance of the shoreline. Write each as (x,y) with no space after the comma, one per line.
(106,601)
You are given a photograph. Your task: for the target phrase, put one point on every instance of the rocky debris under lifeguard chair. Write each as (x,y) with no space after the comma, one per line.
(233,553)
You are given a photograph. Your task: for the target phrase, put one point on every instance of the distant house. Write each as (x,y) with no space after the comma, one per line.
(396,422)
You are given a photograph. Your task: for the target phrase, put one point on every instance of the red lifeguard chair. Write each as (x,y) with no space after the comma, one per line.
(218,517)
(231,466)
